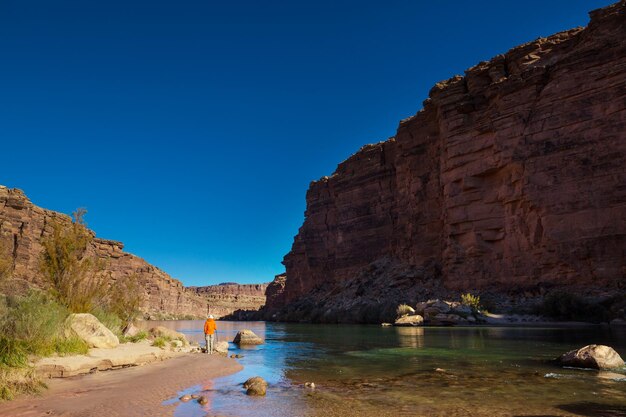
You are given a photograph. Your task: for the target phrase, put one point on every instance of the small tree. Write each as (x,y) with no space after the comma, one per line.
(75,279)
(125,298)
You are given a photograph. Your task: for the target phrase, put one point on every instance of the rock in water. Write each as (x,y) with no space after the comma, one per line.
(415,320)
(255,386)
(185,398)
(203,400)
(592,356)
(247,337)
(88,327)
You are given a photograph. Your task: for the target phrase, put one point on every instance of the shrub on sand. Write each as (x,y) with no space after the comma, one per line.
(472,301)
(161,341)
(15,381)
(404,310)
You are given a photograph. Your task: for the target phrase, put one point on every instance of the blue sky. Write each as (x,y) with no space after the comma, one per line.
(190,130)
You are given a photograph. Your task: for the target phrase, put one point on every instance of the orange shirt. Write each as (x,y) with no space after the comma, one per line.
(209,326)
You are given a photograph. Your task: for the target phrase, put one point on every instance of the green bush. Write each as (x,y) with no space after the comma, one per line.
(160,341)
(34,325)
(142,335)
(70,346)
(13,352)
(36,321)
(472,301)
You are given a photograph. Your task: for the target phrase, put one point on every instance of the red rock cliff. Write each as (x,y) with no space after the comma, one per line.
(225,299)
(23,224)
(511,178)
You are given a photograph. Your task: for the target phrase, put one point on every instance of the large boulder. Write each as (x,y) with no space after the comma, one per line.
(221,347)
(592,356)
(434,307)
(88,327)
(255,386)
(247,337)
(414,320)
(161,331)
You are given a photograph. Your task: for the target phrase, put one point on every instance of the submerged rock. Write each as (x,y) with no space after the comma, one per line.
(247,337)
(255,386)
(415,320)
(592,356)
(88,327)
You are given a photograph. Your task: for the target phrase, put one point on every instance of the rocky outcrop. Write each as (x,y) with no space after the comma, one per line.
(224,299)
(122,356)
(592,356)
(23,225)
(510,180)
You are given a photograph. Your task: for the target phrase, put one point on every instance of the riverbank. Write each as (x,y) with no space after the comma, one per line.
(135,391)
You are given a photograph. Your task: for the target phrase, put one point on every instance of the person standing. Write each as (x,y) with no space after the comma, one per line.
(209,334)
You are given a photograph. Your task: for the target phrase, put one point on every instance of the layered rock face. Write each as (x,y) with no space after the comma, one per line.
(511,179)
(225,299)
(23,225)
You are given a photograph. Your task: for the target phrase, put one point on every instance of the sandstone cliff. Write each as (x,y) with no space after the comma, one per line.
(510,180)
(226,298)
(23,225)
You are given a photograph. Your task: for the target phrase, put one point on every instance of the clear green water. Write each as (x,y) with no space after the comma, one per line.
(375,371)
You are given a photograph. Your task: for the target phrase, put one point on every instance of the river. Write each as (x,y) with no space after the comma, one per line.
(419,371)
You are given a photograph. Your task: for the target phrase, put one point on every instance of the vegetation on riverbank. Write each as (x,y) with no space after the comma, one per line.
(33,325)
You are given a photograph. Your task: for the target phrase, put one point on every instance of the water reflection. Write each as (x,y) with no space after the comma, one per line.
(412,337)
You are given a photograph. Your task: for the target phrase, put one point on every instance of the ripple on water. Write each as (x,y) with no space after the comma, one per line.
(363,371)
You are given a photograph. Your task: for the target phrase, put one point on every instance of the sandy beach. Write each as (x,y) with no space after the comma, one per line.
(136,391)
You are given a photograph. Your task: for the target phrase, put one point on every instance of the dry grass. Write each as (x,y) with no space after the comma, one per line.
(404,310)
(15,381)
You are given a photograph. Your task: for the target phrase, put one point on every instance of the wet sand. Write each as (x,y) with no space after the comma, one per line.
(136,391)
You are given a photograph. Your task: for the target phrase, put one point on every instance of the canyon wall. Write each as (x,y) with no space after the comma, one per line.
(225,299)
(23,225)
(510,180)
